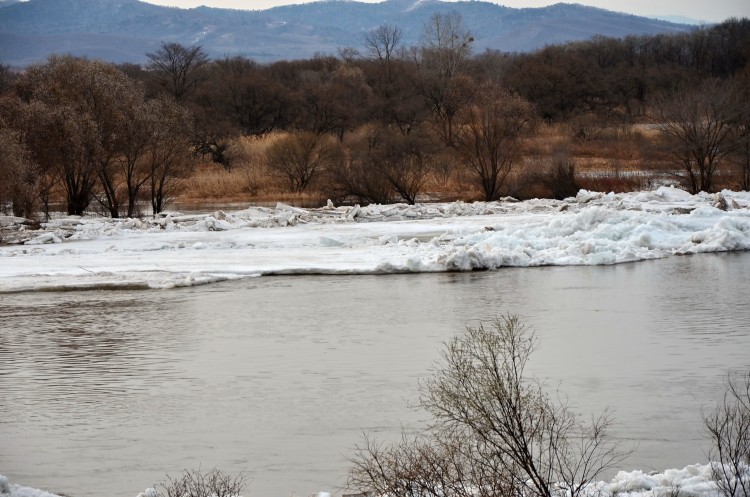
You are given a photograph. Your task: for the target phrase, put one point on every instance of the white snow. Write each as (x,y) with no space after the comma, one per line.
(8,489)
(181,250)
(692,481)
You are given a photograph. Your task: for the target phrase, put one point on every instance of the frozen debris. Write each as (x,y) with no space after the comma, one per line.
(289,208)
(694,480)
(149,492)
(44,238)
(8,489)
(133,224)
(212,224)
(164,222)
(600,229)
(720,202)
(585,196)
(353,212)
(7,221)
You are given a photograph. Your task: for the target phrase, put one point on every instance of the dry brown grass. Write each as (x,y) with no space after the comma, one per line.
(622,158)
(248,180)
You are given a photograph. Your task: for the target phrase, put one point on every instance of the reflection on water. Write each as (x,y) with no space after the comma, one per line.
(102,393)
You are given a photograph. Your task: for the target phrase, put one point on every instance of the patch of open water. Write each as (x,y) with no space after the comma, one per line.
(103,392)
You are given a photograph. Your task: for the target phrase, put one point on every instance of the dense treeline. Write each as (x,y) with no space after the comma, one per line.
(380,122)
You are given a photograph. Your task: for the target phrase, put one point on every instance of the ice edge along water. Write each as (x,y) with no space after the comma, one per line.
(176,250)
(693,481)
(74,253)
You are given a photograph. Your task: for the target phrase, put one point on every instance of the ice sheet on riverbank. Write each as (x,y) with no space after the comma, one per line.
(183,250)
(694,481)
(8,489)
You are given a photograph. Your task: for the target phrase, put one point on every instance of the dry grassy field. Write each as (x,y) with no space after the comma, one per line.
(611,159)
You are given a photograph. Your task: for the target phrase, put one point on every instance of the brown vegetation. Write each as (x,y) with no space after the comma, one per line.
(394,124)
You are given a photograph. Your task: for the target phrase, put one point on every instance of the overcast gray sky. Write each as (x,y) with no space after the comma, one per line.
(704,10)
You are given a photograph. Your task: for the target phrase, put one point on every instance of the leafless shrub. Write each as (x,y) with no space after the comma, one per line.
(357,173)
(698,124)
(213,483)
(559,175)
(404,161)
(425,466)
(298,158)
(670,491)
(729,428)
(495,430)
(443,169)
(355,178)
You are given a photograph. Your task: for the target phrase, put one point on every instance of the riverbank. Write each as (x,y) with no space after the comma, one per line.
(694,481)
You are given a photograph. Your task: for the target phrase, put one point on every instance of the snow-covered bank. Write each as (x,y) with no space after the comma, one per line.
(8,489)
(183,250)
(694,481)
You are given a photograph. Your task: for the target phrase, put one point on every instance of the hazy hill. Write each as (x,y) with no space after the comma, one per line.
(123,30)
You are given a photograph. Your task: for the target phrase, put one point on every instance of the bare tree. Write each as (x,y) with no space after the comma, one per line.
(446,99)
(18,174)
(445,44)
(57,136)
(742,133)
(297,158)
(352,97)
(7,77)
(396,93)
(445,48)
(79,112)
(114,103)
(491,136)
(178,69)
(483,390)
(168,155)
(61,137)
(495,429)
(382,42)
(698,125)
(134,137)
(404,160)
(245,94)
(729,428)
(741,129)
(356,173)
(89,125)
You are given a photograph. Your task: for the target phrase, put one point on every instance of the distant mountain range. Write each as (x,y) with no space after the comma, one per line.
(124,30)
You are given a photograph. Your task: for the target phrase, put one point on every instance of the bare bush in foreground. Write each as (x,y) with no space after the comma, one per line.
(425,466)
(495,430)
(213,483)
(729,428)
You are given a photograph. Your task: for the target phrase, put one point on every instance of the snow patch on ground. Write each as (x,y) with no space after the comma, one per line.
(693,481)
(175,250)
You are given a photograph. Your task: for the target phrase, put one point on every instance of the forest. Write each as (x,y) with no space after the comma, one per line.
(378,123)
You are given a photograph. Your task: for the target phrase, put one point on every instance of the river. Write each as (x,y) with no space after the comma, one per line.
(105,392)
